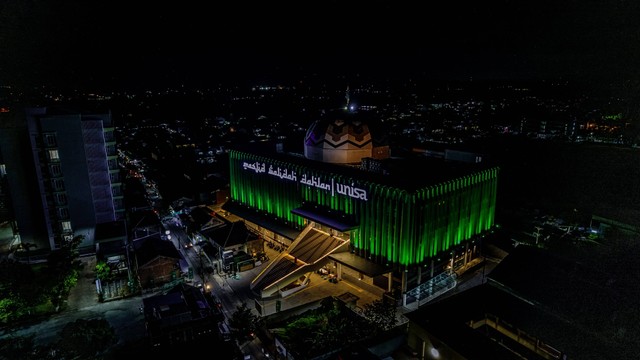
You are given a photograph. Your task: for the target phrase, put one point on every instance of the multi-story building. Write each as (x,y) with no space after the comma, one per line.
(349,208)
(62,174)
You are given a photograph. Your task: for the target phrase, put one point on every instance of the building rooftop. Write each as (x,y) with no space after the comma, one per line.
(229,233)
(537,295)
(152,247)
(410,172)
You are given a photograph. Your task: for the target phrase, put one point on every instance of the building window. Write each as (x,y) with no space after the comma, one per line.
(57,184)
(50,140)
(66,226)
(55,170)
(118,204)
(63,213)
(60,199)
(53,155)
(109,136)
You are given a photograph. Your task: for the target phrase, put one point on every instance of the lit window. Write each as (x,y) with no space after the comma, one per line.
(53,155)
(66,225)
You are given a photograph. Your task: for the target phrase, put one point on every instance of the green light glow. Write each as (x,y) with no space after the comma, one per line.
(395,226)
(612,117)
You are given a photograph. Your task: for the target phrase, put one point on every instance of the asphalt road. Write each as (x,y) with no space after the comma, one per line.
(231,291)
(123,315)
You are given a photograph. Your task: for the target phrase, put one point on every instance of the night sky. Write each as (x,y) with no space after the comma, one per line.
(93,44)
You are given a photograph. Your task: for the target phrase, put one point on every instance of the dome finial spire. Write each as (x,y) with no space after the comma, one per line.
(347,97)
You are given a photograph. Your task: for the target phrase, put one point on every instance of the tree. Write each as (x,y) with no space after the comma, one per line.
(65,258)
(12,308)
(382,314)
(21,291)
(330,326)
(103,271)
(20,280)
(81,339)
(17,347)
(243,321)
(61,289)
(84,339)
(63,265)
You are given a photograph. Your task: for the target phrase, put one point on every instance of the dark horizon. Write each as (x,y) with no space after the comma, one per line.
(77,45)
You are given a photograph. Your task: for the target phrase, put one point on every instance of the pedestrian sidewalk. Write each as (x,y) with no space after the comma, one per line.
(84,294)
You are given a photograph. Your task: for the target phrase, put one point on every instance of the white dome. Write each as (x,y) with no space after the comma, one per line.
(341,140)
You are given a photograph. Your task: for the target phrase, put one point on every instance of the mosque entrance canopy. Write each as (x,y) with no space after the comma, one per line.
(255,217)
(332,218)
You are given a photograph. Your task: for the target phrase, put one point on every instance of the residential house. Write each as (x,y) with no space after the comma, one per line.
(157,262)
(181,315)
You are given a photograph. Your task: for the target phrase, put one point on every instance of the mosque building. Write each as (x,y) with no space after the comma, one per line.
(347,206)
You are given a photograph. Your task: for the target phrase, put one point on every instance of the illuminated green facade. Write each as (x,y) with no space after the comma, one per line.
(394,226)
